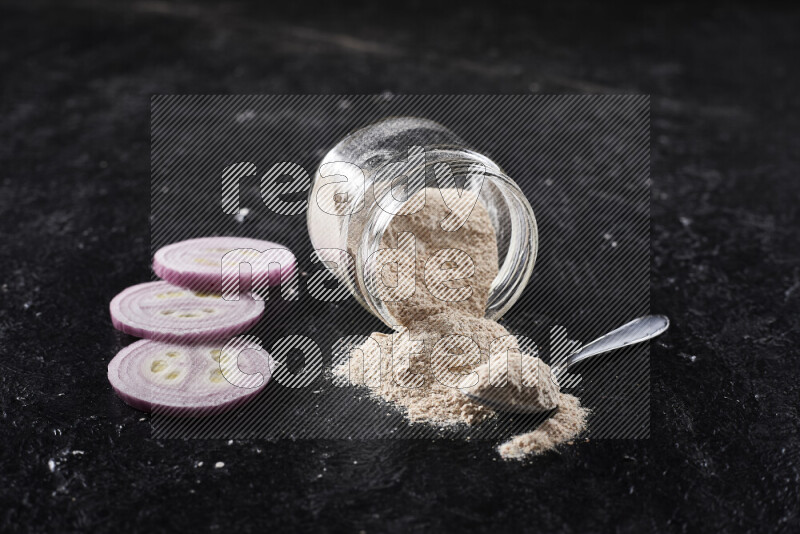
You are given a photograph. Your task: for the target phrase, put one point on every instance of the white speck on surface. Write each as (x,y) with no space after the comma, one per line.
(51,464)
(245,116)
(613,244)
(230,442)
(27,305)
(219,465)
(548,182)
(77,452)
(685,221)
(243,213)
(198,464)
(607,236)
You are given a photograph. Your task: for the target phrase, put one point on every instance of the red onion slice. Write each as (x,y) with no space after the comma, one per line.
(163,312)
(197,263)
(189,380)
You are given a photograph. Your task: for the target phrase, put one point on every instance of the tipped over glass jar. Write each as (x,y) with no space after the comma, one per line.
(367,179)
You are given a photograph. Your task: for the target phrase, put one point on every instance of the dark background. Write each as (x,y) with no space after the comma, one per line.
(74,122)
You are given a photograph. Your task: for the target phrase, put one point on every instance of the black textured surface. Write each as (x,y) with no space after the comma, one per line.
(77,78)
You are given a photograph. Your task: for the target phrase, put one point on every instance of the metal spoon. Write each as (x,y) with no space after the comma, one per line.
(636,331)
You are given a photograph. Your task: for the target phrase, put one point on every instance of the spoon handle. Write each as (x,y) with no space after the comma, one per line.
(636,331)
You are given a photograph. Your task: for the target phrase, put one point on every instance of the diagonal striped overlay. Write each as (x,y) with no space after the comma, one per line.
(582,162)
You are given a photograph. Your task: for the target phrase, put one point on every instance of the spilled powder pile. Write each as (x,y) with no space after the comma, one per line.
(425,388)
(520,381)
(409,369)
(567,423)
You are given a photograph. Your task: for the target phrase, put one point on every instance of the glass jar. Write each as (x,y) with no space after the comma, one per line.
(354,221)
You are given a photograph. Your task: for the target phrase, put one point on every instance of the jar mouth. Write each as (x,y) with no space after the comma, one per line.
(511,215)
(518,234)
